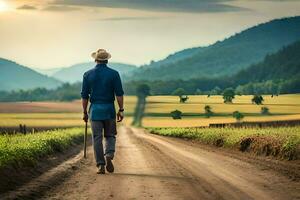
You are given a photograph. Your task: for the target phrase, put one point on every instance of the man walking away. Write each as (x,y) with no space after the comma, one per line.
(100,85)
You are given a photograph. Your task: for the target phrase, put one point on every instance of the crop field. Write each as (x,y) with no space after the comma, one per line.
(21,149)
(157,113)
(282,142)
(41,119)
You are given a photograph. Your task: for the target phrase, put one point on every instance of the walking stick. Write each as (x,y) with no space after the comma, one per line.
(85,139)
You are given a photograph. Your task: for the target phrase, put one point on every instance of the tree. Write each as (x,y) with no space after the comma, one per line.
(198,92)
(257,99)
(240,90)
(176,114)
(142,91)
(208,111)
(238,116)
(180,92)
(265,111)
(183,99)
(228,95)
(216,91)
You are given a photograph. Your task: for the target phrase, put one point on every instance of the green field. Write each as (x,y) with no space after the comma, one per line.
(158,108)
(19,150)
(283,142)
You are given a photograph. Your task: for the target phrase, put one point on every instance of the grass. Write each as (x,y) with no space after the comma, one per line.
(158,108)
(281,142)
(18,150)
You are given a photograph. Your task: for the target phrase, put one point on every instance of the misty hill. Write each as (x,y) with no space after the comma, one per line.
(173,58)
(226,57)
(74,73)
(48,72)
(283,65)
(14,76)
(277,73)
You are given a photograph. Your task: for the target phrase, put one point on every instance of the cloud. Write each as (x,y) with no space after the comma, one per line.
(129,18)
(27,7)
(198,6)
(61,8)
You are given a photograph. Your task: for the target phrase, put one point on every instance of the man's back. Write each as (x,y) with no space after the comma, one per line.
(102,84)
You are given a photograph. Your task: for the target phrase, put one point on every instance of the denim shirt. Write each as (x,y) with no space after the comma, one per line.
(101,84)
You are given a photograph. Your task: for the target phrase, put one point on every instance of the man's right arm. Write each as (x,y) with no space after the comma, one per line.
(85,94)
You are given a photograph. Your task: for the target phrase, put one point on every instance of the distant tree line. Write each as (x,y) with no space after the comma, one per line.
(203,86)
(66,92)
(216,86)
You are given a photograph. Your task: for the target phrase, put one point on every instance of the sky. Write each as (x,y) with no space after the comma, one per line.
(48,34)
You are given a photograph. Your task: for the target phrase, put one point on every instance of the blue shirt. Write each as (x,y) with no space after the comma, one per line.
(101,84)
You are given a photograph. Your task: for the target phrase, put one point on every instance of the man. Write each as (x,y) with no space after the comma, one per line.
(100,85)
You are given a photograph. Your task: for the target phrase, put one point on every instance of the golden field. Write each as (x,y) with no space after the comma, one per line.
(65,114)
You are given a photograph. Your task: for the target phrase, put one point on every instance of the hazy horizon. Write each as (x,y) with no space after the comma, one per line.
(61,33)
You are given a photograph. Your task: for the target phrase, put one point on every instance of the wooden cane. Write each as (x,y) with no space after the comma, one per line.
(85,139)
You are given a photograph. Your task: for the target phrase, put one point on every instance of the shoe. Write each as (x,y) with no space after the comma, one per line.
(109,165)
(101,169)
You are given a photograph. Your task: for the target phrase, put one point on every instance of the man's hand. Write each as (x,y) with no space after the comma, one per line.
(120,116)
(85,117)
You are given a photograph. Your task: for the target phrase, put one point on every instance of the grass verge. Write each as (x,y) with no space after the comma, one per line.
(283,142)
(25,150)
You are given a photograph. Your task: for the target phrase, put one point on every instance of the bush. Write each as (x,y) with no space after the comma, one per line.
(257,99)
(265,111)
(208,111)
(176,114)
(183,99)
(238,116)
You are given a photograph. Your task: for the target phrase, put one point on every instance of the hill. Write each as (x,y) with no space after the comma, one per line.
(75,72)
(47,72)
(283,65)
(14,77)
(277,73)
(226,57)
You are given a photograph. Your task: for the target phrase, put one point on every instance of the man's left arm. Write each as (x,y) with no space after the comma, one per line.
(119,92)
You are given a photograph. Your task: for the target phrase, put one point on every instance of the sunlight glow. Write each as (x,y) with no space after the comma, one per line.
(3,6)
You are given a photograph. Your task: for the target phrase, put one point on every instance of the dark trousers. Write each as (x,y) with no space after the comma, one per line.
(108,127)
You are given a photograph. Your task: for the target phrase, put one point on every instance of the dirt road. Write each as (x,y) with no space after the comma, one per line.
(154,167)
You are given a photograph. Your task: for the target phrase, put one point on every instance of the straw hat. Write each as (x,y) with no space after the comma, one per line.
(101,54)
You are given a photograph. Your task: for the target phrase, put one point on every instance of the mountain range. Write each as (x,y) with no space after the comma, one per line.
(224,57)
(277,73)
(74,73)
(14,76)
(283,65)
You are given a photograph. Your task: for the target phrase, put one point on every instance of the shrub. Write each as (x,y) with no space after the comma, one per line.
(208,111)
(257,99)
(238,116)
(176,114)
(265,111)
